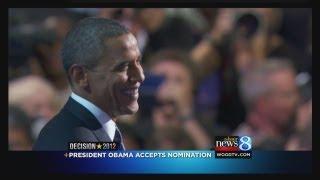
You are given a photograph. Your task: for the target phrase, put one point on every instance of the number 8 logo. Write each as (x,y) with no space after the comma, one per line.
(245,143)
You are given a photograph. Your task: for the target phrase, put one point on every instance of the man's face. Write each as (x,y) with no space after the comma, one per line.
(39,105)
(177,79)
(113,84)
(175,93)
(283,99)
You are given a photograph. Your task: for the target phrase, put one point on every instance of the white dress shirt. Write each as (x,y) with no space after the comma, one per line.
(107,123)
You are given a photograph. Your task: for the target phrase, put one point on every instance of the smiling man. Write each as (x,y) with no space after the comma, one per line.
(102,61)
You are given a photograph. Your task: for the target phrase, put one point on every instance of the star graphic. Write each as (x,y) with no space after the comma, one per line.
(65,154)
(99,146)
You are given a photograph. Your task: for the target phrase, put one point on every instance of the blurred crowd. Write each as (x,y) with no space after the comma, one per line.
(209,72)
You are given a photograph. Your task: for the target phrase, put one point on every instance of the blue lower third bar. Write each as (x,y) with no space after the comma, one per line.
(175,162)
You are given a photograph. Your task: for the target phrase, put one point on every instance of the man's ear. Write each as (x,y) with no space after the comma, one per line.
(78,75)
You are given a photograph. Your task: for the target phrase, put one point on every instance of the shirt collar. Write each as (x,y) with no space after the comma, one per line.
(103,118)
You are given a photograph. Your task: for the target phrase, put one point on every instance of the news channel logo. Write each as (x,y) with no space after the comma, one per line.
(233,147)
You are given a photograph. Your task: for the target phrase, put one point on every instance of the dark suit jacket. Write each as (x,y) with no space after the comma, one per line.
(74,123)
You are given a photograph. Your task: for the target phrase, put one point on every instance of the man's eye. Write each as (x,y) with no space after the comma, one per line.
(122,67)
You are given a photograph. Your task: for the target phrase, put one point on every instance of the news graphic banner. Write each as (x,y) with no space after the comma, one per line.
(233,147)
(173,162)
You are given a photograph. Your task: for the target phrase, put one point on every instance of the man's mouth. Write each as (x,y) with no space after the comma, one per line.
(133,93)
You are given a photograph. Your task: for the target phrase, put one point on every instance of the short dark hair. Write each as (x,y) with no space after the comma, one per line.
(85,43)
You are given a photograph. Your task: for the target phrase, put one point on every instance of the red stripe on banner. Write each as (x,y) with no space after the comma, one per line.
(227,149)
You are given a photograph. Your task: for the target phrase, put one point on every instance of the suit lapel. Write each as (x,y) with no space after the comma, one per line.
(88,118)
(102,135)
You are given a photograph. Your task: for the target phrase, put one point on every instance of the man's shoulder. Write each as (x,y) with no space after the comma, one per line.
(68,118)
(63,128)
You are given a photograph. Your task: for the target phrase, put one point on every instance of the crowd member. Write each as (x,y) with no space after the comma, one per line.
(271,97)
(174,97)
(37,98)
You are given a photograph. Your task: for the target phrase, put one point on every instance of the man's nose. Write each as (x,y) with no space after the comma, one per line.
(138,75)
